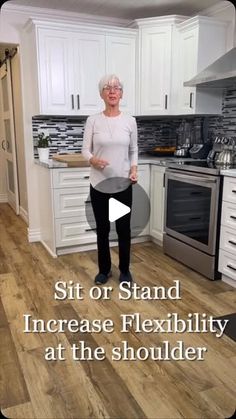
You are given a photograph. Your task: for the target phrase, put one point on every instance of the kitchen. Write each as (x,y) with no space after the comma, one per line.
(160,122)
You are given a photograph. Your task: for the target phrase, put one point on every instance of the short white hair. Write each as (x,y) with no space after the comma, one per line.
(109,79)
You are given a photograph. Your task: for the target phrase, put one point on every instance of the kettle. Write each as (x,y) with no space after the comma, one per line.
(226,157)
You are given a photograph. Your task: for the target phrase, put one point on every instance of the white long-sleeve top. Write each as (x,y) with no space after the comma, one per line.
(113,139)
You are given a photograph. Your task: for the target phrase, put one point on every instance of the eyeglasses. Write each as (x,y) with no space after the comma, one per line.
(109,88)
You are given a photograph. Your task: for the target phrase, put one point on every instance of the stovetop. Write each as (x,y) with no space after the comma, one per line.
(199,166)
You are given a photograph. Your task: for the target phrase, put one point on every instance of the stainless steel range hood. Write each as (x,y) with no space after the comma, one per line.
(220,74)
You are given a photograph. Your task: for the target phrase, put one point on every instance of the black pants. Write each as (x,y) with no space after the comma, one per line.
(100,204)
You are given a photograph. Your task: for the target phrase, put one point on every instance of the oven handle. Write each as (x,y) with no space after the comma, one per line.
(190,177)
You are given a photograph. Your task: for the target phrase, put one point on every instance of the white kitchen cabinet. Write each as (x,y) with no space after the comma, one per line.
(71,59)
(172,50)
(155,68)
(227,253)
(70,65)
(142,208)
(121,60)
(157,190)
(65,207)
(201,40)
(69,202)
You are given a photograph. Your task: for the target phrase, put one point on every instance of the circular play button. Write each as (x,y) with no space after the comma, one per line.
(112,197)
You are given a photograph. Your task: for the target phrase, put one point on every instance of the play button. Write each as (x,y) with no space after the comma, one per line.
(117,209)
(114,208)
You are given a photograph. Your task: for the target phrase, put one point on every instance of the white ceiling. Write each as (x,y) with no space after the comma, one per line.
(124,9)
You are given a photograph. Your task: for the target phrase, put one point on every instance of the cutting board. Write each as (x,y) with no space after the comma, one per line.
(72,160)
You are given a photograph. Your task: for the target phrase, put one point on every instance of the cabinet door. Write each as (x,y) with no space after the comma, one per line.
(187,69)
(157,202)
(142,209)
(155,70)
(120,60)
(55,66)
(89,67)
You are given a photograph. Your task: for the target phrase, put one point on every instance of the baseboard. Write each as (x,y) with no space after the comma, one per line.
(34,235)
(54,255)
(3,198)
(24,215)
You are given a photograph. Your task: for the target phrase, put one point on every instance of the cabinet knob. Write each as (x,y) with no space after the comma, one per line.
(191,100)
(72,102)
(3,141)
(166,101)
(231,267)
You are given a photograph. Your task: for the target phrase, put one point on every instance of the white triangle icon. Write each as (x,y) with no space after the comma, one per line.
(117,209)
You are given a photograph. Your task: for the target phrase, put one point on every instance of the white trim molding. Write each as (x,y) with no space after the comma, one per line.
(38,12)
(34,235)
(216,9)
(3,198)
(54,255)
(24,215)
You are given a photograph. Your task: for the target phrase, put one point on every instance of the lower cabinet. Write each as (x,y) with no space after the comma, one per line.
(227,255)
(65,209)
(157,189)
(72,207)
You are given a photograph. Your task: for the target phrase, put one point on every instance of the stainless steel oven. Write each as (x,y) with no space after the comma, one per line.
(192,218)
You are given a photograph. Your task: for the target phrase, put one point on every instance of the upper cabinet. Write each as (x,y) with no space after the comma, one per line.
(201,41)
(66,62)
(172,50)
(121,60)
(71,61)
(155,69)
(70,65)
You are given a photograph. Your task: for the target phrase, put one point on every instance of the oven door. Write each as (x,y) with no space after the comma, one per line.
(191,208)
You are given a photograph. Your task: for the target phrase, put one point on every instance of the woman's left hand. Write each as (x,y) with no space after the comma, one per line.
(133,177)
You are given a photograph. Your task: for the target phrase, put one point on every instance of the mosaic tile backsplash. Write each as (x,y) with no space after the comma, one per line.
(66,133)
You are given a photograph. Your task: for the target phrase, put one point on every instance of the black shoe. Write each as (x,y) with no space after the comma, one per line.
(101,279)
(126,278)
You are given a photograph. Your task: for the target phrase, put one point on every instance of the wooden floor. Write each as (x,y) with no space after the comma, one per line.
(31,387)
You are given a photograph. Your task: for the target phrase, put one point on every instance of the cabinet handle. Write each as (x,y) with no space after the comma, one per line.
(90,229)
(72,102)
(231,267)
(233,216)
(3,141)
(89,202)
(233,191)
(164,180)
(231,242)
(166,101)
(78,102)
(86,177)
(191,100)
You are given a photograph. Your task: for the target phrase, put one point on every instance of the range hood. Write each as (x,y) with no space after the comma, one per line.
(220,74)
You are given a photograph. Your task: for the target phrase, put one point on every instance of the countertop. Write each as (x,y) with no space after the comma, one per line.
(228,172)
(143,159)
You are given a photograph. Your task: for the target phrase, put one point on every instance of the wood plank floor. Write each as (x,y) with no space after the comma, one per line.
(31,387)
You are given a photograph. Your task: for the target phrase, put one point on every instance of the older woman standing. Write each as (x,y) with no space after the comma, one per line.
(110,145)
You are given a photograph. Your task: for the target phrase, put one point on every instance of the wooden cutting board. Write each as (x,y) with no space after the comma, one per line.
(73,160)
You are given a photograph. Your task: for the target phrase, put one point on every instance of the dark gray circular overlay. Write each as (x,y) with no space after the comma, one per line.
(140,209)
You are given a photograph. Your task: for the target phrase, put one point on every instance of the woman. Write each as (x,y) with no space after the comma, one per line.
(110,145)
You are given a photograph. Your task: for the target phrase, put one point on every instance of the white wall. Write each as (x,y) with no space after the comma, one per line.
(19,130)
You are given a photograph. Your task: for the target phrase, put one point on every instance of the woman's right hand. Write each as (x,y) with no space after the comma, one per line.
(98,163)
